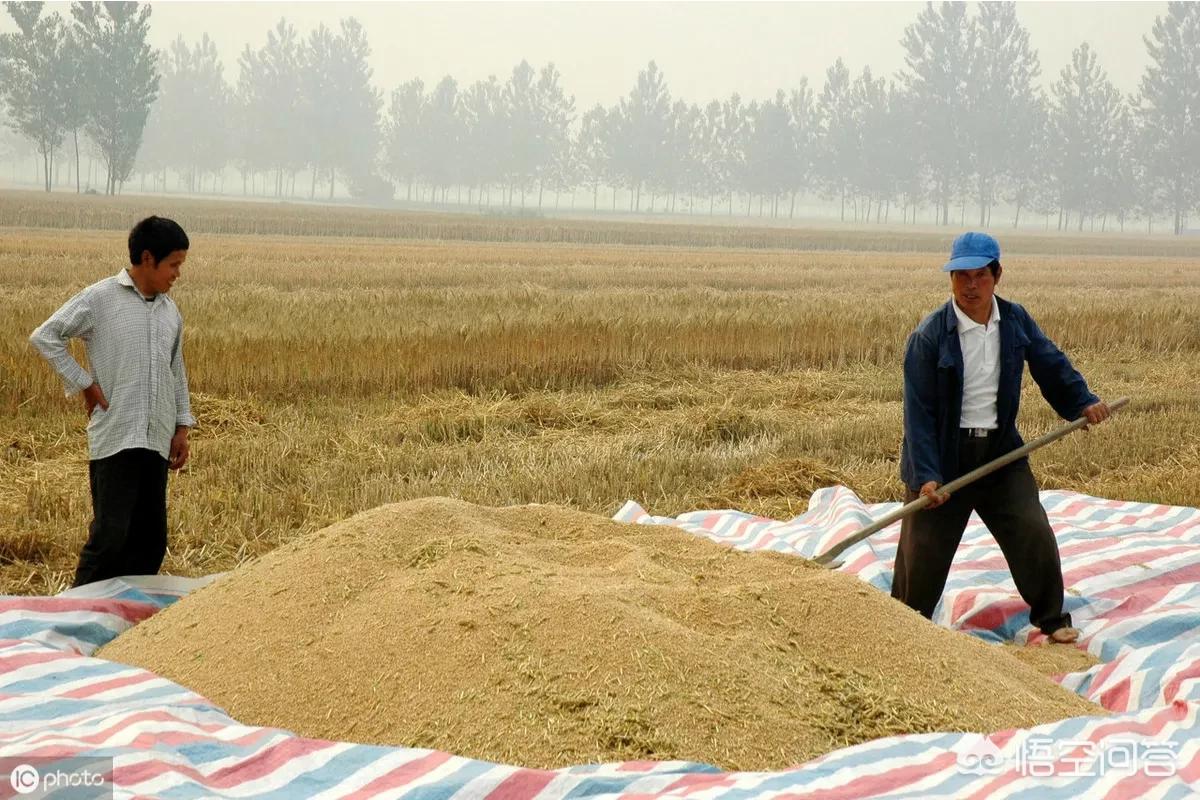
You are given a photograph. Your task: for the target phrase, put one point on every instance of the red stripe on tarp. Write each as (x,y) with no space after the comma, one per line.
(1116,697)
(117,682)
(19,660)
(198,732)
(522,784)
(131,610)
(699,781)
(403,775)
(251,768)
(870,785)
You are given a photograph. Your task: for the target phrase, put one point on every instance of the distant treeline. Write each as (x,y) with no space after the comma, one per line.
(966,123)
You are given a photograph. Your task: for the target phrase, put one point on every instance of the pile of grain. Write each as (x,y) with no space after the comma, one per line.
(546,637)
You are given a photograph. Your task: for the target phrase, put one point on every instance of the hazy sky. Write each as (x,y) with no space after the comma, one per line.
(706,50)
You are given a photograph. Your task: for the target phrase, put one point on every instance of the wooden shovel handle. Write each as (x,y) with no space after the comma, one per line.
(958,483)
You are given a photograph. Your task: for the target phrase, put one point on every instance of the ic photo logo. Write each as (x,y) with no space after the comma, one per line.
(57,777)
(24,779)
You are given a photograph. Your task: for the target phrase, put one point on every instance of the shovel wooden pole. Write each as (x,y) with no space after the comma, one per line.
(826,558)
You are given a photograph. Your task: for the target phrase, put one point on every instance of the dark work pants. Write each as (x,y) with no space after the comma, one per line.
(1007,502)
(128,535)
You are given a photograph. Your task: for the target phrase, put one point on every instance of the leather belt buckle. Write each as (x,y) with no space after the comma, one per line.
(977,433)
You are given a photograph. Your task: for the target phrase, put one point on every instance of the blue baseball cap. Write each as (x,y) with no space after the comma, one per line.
(972,250)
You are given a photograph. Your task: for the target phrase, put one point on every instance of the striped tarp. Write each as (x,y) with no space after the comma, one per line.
(1130,570)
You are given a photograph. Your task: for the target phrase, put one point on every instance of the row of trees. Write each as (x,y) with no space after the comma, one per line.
(966,121)
(95,74)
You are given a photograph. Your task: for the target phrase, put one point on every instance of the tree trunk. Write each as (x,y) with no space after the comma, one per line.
(332,181)
(983,202)
(75,135)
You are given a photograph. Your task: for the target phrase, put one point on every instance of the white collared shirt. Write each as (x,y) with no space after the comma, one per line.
(981,367)
(135,352)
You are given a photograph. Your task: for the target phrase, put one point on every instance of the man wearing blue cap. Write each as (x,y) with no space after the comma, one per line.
(962,386)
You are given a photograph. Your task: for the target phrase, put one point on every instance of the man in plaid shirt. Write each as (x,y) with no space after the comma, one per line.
(136,396)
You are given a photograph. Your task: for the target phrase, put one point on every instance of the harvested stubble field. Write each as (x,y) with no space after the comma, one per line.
(333,375)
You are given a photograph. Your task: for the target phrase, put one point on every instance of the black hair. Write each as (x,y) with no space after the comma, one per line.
(159,235)
(994,266)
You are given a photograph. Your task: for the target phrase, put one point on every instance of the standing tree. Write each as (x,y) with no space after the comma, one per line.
(193,87)
(1085,129)
(73,82)
(731,145)
(403,139)
(318,93)
(1002,101)
(938,48)
(270,107)
(122,80)
(875,174)
(805,127)
(592,149)
(340,107)
(1025,185)
(643,132)
(1120,173)
(907,148)
(34,62)
(839,143)
(1168,108)
(555,113)
(484,123)
(442,132)
(356,108)
(523,149)
(771,157)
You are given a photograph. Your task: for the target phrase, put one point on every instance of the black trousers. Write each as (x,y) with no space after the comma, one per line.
(1007,502)
(128,535)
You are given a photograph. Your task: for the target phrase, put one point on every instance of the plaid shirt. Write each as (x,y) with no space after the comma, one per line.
(135,349)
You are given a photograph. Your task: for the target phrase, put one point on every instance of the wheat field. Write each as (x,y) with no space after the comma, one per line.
(331,375)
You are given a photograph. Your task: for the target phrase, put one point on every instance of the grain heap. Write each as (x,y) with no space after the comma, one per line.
(545,637)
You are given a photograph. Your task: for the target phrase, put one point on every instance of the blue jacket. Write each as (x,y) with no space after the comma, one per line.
(933,389)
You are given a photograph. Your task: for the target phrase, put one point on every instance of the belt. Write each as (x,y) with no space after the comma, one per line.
(977,433)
